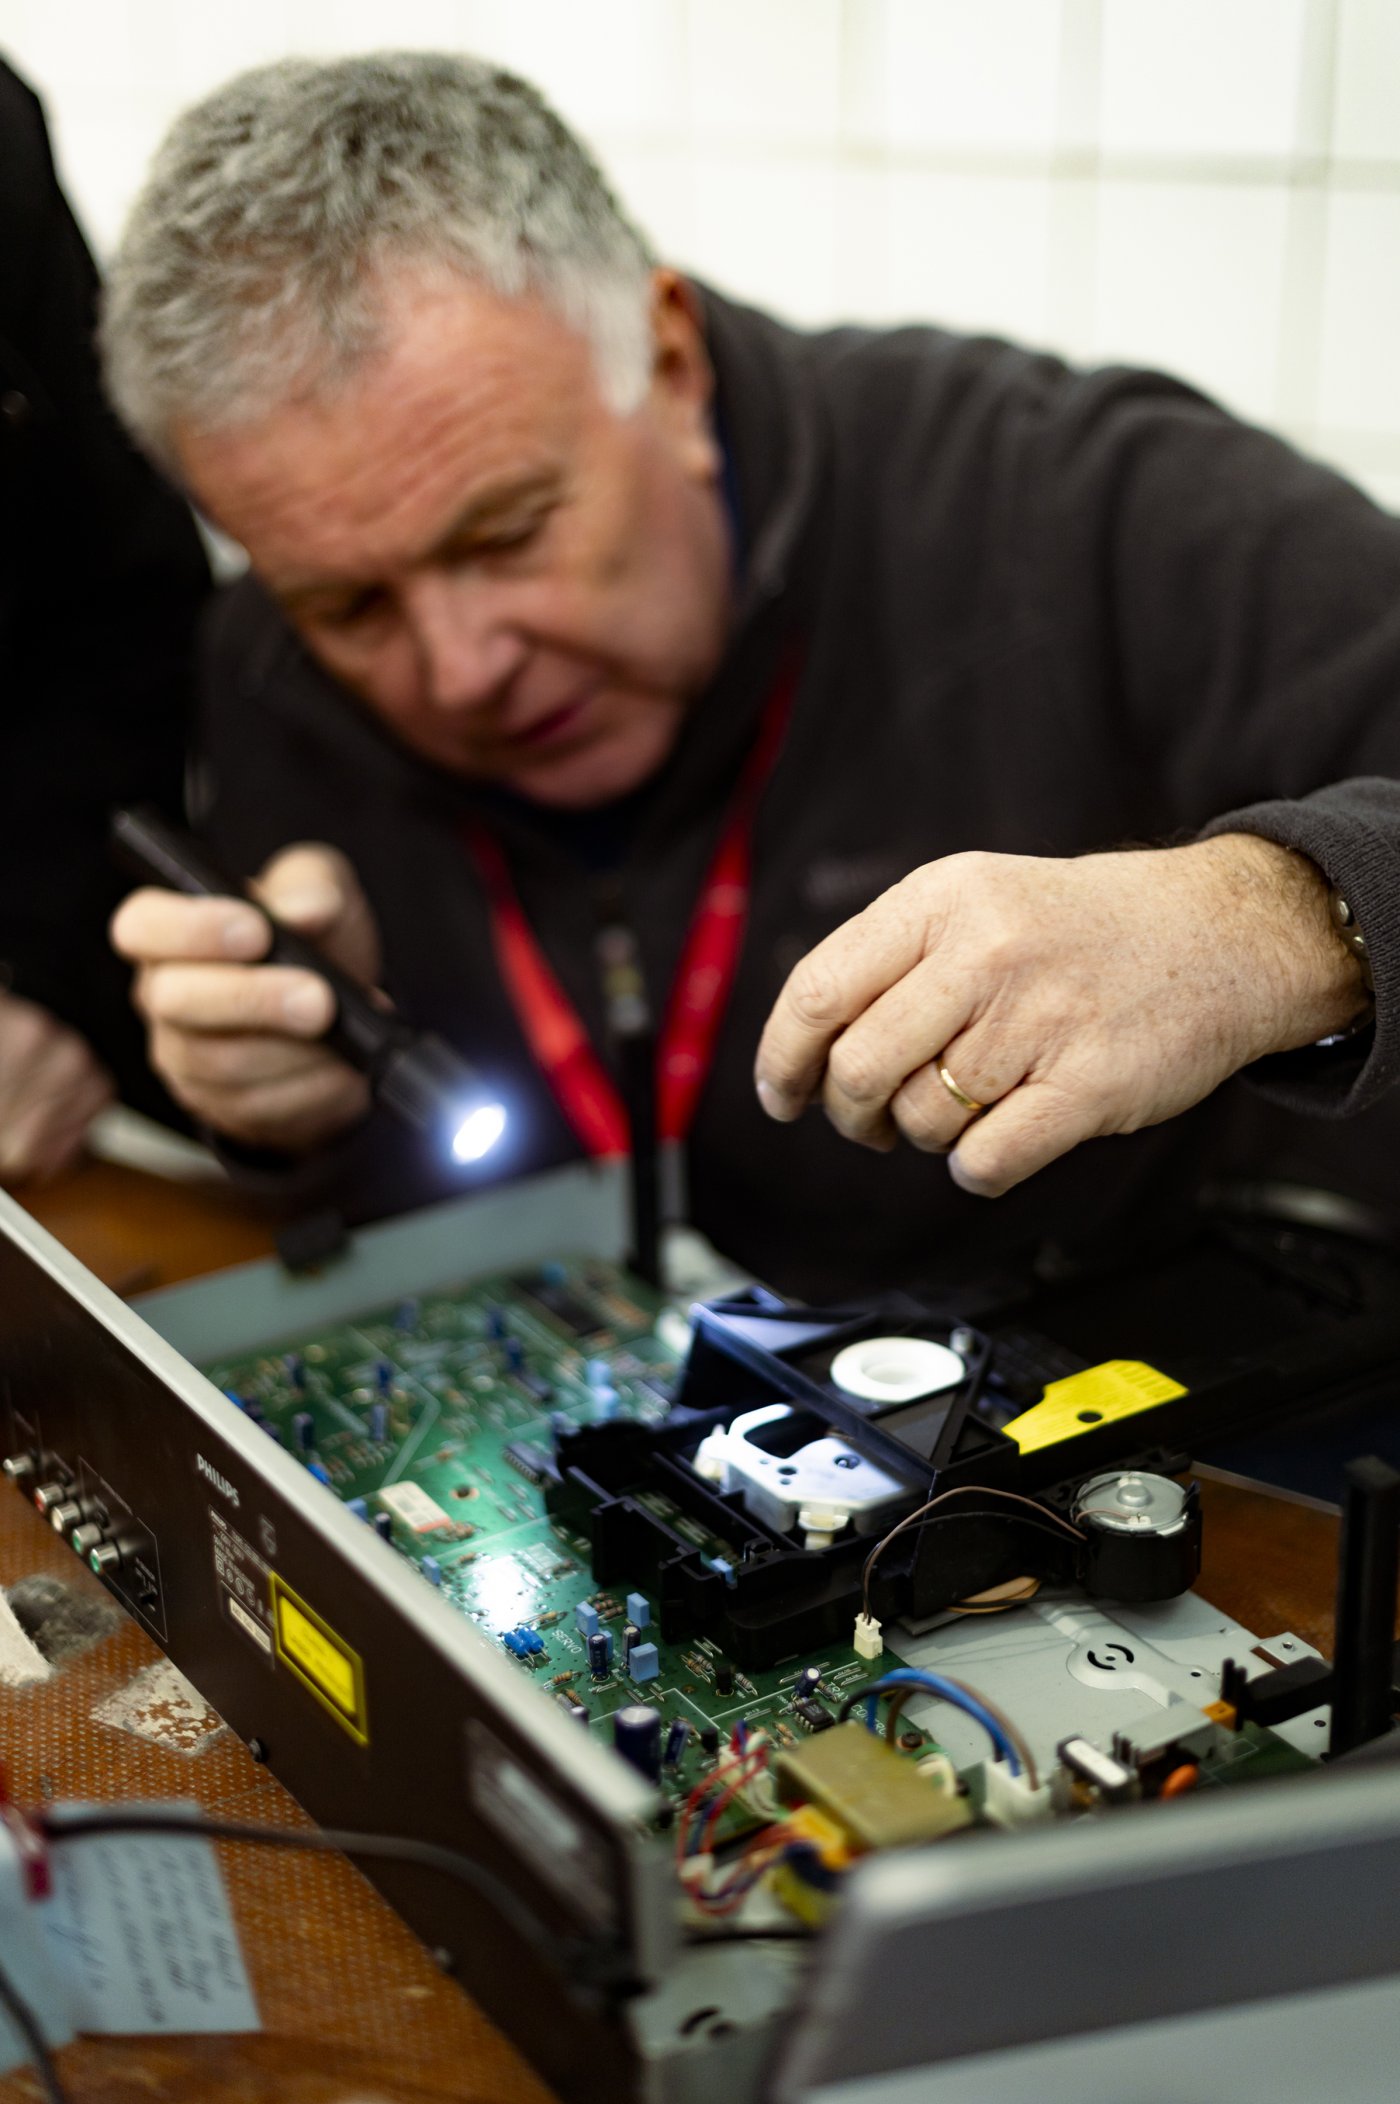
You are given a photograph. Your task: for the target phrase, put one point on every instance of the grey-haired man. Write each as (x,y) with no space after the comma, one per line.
(837,665)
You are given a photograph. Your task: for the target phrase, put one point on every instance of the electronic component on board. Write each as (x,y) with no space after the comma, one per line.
(378,1423)
(878,1798)
(303,1431)
(677,1739)
(638,1610)
(529,1460)
(1107,1777)
(600,1654)
(637,1737)
(559,1302)
(724,1678)
(384,1525)
(643,1662)
(813,1714)
(586,1615)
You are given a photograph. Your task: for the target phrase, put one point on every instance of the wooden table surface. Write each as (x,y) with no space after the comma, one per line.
(353,2008)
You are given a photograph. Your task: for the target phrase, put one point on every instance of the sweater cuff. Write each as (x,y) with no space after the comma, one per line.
(1354,839)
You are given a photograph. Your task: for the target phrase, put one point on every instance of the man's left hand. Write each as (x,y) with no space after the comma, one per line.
(1067,999)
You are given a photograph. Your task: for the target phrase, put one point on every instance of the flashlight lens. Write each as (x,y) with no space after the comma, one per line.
(478,1132)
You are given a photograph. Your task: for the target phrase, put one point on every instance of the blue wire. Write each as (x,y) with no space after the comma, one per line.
(909,1676)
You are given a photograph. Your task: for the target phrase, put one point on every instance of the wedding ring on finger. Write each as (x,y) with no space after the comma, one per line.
(959,1095)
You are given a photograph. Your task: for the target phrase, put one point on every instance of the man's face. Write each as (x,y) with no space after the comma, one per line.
(528,588)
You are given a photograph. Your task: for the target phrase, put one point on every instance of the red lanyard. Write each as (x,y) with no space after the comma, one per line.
(554,1030)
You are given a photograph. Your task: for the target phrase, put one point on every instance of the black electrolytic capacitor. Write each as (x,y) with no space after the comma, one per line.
(637,1737)
(600,1654)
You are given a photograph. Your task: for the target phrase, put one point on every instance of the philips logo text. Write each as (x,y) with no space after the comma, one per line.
(220,1483)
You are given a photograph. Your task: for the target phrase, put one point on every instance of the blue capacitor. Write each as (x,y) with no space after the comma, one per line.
(637,1737)
(304,1431)
(378,1423)
(296,1368)
(358,1507)
(319,1470)
(384,1525)
(431,1569)
(383,1374)
(639,1610)
(644,1662)
(600,1655)
(806,1684)
(586,1615)
(676,1739)
(514,1641)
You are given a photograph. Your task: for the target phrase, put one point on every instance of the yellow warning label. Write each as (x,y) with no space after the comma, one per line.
(320,1659)
(1098,1396)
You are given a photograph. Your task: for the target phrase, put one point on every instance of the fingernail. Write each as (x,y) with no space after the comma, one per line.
(307,1006)
(777,1105)
(307,907)
(966,1182)
(244,935)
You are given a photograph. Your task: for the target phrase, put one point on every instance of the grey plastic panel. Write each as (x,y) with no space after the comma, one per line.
(1283,1890)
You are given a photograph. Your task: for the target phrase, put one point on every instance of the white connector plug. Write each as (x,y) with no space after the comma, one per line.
(867,1641)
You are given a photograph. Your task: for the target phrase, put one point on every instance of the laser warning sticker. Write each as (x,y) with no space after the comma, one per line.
(321,1660)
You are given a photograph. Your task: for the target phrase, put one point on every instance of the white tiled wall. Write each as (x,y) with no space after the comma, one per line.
(1210,185)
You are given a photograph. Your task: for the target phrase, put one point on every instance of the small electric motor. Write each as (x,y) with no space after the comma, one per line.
(1142,1536)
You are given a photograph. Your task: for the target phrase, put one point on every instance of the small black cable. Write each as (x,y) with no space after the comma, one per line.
(27,2025)
(589,1963)
(781,1933)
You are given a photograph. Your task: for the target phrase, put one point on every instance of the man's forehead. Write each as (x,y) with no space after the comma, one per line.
(472,404)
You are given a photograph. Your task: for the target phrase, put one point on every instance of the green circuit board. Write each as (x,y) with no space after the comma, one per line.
(428,1417)
(431,1412)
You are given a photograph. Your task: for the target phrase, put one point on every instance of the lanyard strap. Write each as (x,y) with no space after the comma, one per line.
(554,1030)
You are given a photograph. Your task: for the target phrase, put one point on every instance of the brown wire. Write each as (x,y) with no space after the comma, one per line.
(984,1490)
(899,1696)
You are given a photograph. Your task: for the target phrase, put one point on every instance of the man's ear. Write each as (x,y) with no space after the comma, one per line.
(682,378)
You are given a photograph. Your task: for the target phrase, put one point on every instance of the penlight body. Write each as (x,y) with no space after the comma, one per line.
(413,1073)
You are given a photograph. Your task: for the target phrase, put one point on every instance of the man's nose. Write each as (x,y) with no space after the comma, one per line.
(467,651)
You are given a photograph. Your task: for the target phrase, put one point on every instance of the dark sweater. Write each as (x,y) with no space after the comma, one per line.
(101,579)
(1044,612)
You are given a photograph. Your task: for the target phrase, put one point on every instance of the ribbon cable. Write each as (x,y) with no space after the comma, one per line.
(554,1030)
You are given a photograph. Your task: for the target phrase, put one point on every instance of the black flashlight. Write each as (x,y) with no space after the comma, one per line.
(412,1072)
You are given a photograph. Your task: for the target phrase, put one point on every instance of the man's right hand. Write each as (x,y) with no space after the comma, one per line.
(235,1041)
